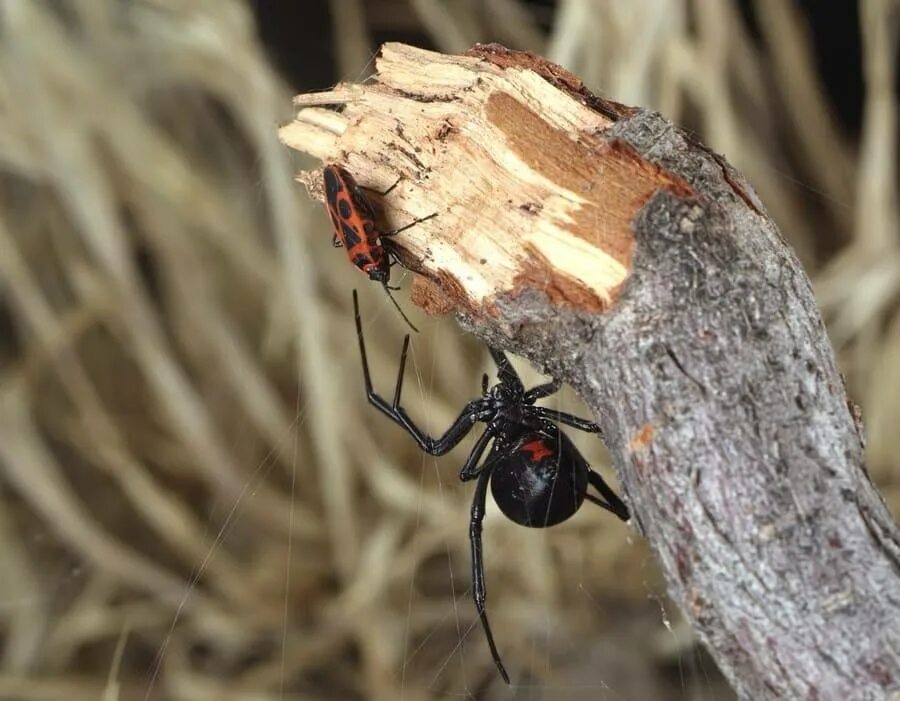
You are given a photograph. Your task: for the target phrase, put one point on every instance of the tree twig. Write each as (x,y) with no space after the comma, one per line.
(618,254)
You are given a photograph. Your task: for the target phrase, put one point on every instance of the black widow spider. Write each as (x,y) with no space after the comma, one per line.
(537,476)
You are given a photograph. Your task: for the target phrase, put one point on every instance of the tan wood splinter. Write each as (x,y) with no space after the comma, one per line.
(527,193)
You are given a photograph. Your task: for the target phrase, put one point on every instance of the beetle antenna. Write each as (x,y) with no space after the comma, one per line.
(387,291)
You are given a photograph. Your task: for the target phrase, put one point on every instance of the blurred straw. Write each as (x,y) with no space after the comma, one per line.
(453,25)
(811,120)
(353,49)
(185,448)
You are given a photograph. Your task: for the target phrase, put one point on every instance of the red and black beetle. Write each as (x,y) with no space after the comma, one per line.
(356,230)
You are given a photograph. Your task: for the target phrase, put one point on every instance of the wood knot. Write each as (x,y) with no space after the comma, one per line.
(641,440)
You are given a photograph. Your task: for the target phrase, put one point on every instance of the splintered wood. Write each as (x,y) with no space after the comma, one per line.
(509,153)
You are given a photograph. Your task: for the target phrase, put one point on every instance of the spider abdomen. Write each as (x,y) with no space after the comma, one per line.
(542,481)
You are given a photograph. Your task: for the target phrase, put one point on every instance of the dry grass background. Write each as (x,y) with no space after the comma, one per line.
(196,501)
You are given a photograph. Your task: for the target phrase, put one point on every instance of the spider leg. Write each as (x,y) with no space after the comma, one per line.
(469,469)
(541,391)
(505,371)
(561,417)
(612,502)
(473,411)
(478,589)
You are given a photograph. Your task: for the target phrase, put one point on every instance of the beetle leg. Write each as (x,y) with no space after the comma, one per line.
(379,192)
(387,290)
(410,225)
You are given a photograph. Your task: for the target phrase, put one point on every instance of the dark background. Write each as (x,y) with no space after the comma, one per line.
(299,38)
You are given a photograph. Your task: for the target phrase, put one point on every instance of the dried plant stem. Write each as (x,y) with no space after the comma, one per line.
(878,215)
(354,49)
(813,124)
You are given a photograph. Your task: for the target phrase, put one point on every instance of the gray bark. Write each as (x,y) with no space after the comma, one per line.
(741,457)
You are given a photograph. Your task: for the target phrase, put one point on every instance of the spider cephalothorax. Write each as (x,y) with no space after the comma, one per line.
(537,476)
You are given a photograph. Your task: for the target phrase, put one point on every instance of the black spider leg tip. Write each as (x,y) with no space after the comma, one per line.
(362,343)
(612,502)
(401,372)
(479,592)
(367,377)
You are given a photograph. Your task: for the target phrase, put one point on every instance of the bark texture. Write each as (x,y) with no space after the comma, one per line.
(619,255)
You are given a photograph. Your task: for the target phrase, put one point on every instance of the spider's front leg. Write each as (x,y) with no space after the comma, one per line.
(471,413)
(474,411)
